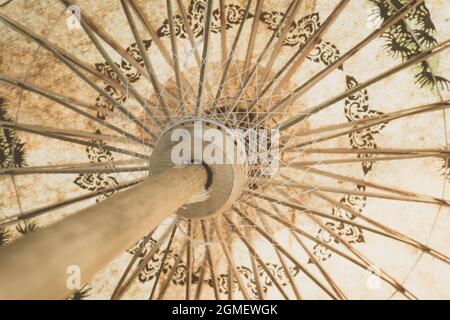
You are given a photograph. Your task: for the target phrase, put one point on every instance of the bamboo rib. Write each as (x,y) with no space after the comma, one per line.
(205,58)
(284,31)
(69,104)
(259,289)
(201,279)
(253,252)
(130,87)
(130,265)
(311,256)
(291,97)
(21,29)
(252,39)
(68,138)
(209,259)
(416,59)
(150,71)
(366,262)
(189,258)
(174,268)
(163,262)
(231,262)
(79,168)
(229,59)
(59,52)
(310,163)
(156,39)
(286,253)
(315,239)
(108,39)
(370,122)
(297,58)
(413,198)
(384,230)
(253,70)
(175,58)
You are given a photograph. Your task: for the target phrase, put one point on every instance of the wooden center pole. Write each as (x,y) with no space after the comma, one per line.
(36,267)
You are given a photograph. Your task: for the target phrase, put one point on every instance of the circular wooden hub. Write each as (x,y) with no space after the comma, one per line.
(219,149)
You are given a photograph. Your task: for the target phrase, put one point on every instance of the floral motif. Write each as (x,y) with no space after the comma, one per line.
(151,269)
(350,233)
(299,31)
(97,181)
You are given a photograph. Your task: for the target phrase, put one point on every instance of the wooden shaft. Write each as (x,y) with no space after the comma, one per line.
(36,267)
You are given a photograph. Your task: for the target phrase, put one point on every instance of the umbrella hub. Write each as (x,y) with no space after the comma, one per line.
(221,150)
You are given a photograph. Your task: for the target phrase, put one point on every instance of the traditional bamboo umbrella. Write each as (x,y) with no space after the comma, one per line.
(93,205)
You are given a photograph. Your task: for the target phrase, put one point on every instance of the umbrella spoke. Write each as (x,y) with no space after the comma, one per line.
(124,284)
(252,39)
(387,231)
(365,183)
(310,163)
(253,70)
(286,253)
(69,104)
(390,151)
(63,136)
(370,122)
(79,168)
(259,290)
(210,262)
(227,63)
(223,40)
(253,252)
(311,256)
(130,265)
(201,278)
(395,234)
(294,95)
(305,50)
(174,268)
(109,40)
(130,87)
(292,227)
(297,58)
(330,217)
(281,258)
(189,31)
(157,40)
(163,262)
(59,53)
(205,58)
(416,59)
(150,71)
(175,56)
(299,185)
(229,257)
(189,262)
(64,132)
(281,38)
(16,26)
(366,262)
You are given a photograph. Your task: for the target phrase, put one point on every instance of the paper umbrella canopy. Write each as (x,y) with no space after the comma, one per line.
(337,109)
